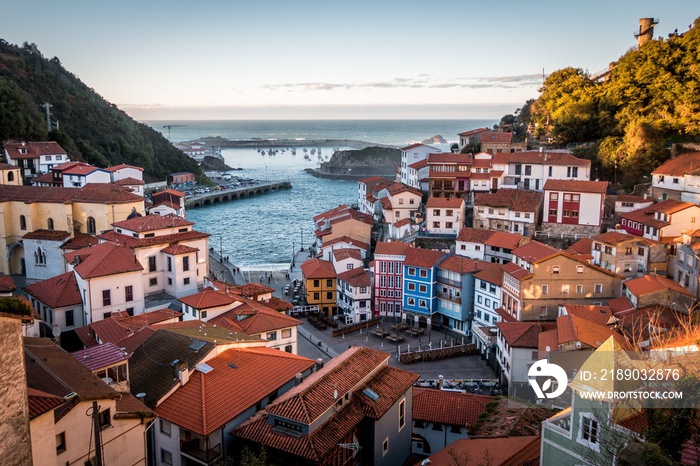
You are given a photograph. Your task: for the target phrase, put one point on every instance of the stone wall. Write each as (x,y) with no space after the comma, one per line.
(580,231)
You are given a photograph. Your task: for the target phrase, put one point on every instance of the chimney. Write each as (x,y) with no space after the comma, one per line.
(184,375)
(541,149)
(319,364)
(441,381)
(298,379)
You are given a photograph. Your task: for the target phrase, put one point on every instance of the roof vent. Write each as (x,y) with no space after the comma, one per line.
(204,368)
(140,396)
(371,394)
(197,345)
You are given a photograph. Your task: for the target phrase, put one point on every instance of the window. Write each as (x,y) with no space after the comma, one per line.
(411,286)
(186,281)
(166,457)
(128,293)
(329,295)
(422,303)
(287,333)
(579,289)
(550,171)
(105,418)
(436,212)
(106,297)
(579,269)
(422,288)
(528,170)
(574,213)
(152,264)
(271,336)
(350,266)
(317,283)
(437,426)
(572,172)
(185,263)
(61,442)
(329,283)
(545,289)
(10,176)
(165,427)
(402,414)
(385,446)
(204,314)
(401,201)
(411,301)
(49,223)
(423,273)
(22,222)
(70,320)
(588,431)
(675,181)
(436,224)
(170,281)
(555,270)
(170,264)
(598,288)
(153,282)
(462,247)
(91,227)
(565,289)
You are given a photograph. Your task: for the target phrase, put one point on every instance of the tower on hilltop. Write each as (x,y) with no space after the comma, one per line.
(646,30)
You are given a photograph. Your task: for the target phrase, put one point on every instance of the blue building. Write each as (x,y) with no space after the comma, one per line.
(420,285)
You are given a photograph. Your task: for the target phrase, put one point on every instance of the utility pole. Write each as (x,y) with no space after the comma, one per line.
(221,248)
(98,433)
(301,233)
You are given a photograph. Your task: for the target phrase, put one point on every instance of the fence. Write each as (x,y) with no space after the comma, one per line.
(437,354)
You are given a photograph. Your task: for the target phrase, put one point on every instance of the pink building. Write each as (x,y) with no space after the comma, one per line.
(388,269)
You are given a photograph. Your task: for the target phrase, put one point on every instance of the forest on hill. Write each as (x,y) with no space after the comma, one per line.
(650,100)
(91,129)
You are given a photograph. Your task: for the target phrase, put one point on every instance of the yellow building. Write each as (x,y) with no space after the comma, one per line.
(10,175)
(91,209)
(320,285)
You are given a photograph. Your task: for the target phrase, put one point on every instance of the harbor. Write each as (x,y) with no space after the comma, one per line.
(225,195)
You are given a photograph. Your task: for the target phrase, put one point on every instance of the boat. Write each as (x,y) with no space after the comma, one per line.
(306,157)
(294,152)
(313,151)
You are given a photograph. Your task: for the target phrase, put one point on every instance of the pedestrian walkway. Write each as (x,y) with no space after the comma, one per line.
(223,269)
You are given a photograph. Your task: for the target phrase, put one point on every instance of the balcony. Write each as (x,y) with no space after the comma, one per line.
(449,297)
(448,282)
(192,448)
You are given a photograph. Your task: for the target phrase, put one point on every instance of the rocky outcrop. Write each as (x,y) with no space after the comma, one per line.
(437,139)
(210,163)
(351,164)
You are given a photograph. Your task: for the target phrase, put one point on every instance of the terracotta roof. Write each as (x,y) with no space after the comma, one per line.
(122,166)
(129,182)
(129,407)
(7,284)
(505,317)
(514,270)
(669,206)
(80,168)
(402,222)
(356,277)
(393,248)
(521,334)
(600,315)
(450,203)
(503,239)
(7,166)
(42,402)
(166,203)
(353,214)
(348,240)
(633,199)
(614,237)
(346,253)
(652,283)
(473,131)
(101,356)
(573,328)
(549,158)
(463,265)
(620,304)
(679,165)
(424,258)
(645,217)
(34,149)
(168,193)
(577,186)
(47,235)
(177,249)
(474,235)
(420,164)
(398,188)
(248,290)
(548,341)
(148,318)
(496,137)
(505,451)
(57,292)
(317,268)
(333,212)
(450,408)
(103,259)
(491,274)
(136,243)
(51,369)
(450,158)
(153,222)
(372,179)
(417,144)
(80,241)
(204,404)
(534,250)
(254,317)
(206,331)
(208,298)
(95,193)
(513,199)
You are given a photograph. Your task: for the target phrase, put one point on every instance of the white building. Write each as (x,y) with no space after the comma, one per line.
(625,203)
(354,295)
(43,256)
(345,259)
(517,349)
(399,201)
(678,179)
(532,169)
(573,207)
(412,154)
(487,299)
(35,158)
(510,210)
(445,215)
(368,192)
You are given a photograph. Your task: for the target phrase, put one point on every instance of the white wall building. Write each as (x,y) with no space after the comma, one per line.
(354,295)
(445,215)
(412,154)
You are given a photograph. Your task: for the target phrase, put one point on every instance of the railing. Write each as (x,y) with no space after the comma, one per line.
(450,297)
(447,281)
(192,449)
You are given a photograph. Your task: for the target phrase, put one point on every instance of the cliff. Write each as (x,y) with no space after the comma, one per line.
(353,164)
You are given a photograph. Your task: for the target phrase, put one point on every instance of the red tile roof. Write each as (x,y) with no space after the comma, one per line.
(398,188)
(208,298)
(424,258)
(253,318)
(122,166)
(80,241)
(57,292)
(463,265)
(474,235)
(505,317)
(450,408)
(7,166)
(129,182)
(577,186)
(317,268)
(417,144)
(153,222)
(549,158)
(496,137)
(34,149)
(679,165)
(346,253)
(402,222)
(420,164)
(505,451)
(600,315)
(47,235)
(513,199)
(102,260)
(473,131)
(100,356)
(652,283)
(503,239)
(356,277)
(353,214)
(492,274)
(450,203)
(129,407)
(81,169)
(331,213)
(247,290)
(42,402)
(669,206)
(178,249)
(7,284)
(573,328)
(522,334)
(393,248)
(205,403)
(534,250)
(148,318)
(94,193)
(514,270)
(136,243)
(548,341)
(614,237)
(348,240)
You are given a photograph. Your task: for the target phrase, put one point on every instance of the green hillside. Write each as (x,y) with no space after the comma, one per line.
(91,129)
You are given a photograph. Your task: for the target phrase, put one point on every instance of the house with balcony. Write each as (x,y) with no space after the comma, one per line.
(455,291)
(532,169)
(34,158)
(573,207)
(356,400)
(471,242)
(678,179)
(412,154)
(320,285)
(445,216)
(628,255)
(388,272)
(355,295)
(471,137)
(508,210)
(343,221)
(194,420)
(662,221)
(72,175)
(487,300)
(449,175)
(420,285)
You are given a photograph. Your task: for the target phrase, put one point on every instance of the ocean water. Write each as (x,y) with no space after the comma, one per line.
(266,229)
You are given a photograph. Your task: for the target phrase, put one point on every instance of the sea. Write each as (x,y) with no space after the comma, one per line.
(265,230)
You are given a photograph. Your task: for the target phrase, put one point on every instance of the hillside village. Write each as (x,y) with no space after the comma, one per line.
(131,343)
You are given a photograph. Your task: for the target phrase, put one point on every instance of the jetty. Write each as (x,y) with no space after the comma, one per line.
(259,143)
(226,195)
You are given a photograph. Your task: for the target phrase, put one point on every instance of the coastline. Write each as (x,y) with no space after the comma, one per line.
(256,143)
(346,177)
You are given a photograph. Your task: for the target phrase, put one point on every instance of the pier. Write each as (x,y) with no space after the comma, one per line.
(225,195)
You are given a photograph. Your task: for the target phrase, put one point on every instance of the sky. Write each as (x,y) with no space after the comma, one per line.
(315,59)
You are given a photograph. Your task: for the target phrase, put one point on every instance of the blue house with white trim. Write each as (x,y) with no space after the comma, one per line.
(420,285)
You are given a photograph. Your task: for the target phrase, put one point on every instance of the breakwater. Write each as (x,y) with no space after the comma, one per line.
(260,143)
(226,195)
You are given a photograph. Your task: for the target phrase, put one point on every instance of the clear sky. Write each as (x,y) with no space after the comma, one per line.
(286,59)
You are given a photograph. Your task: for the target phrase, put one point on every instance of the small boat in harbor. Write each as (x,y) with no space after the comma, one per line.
(306,157)
(313,151)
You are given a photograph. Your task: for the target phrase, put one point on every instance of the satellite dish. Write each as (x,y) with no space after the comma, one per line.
(548,349)
(335,394)
(56,331)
